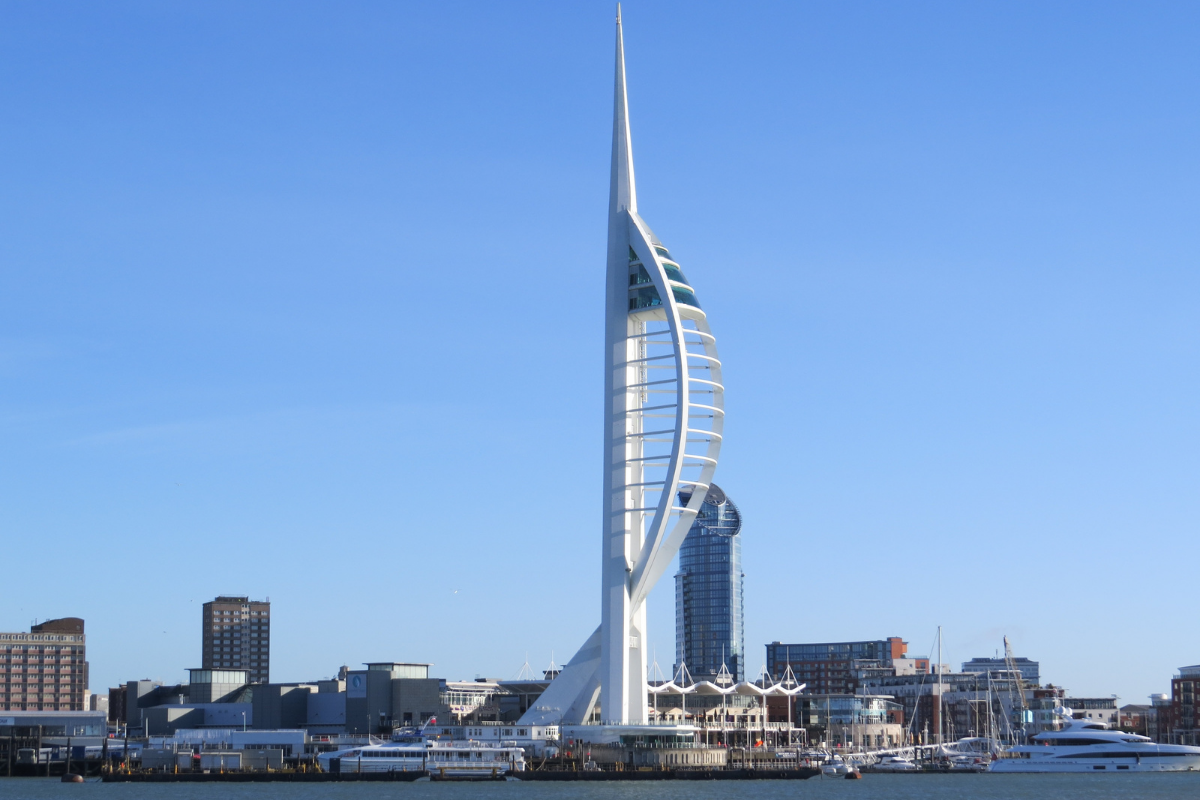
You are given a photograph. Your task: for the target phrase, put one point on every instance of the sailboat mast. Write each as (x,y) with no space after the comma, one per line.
(939,687)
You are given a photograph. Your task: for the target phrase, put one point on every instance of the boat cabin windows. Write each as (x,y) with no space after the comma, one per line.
(389,754)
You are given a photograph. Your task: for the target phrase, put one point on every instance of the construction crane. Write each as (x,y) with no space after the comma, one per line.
(1010,664)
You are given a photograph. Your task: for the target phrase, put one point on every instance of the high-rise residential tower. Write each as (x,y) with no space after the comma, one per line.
(709,617)
(237,635)
(663,416)
(45,669)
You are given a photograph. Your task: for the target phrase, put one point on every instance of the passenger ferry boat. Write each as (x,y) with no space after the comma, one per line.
(418,754)
(1084,746)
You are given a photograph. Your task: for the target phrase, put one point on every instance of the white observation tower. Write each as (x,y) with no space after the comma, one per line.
(663,415)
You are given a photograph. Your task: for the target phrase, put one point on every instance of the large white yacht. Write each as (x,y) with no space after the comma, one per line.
(420,755)
(1084,746)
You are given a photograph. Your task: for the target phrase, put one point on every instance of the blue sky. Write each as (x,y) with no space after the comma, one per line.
(304,300)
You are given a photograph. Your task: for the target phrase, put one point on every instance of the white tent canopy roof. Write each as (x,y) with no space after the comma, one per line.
(744,688)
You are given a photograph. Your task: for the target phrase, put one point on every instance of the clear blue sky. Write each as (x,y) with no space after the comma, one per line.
(304,300)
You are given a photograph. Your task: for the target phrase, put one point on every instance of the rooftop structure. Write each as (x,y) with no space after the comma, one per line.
(215,685)
(1030,670)
(400,669)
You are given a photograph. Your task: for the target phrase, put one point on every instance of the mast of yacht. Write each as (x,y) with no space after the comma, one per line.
(789,682)
(991,717)
(724,681)
(939,687)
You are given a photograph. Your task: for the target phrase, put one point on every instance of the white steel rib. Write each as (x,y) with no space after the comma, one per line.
(653,322)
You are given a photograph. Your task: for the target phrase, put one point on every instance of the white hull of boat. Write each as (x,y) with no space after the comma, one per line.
(1177,764)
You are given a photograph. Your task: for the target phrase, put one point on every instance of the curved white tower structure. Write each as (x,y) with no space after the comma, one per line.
(663,415)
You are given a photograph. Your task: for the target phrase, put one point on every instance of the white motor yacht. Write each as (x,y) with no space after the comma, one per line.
(1085,746)
(896,764)
(835,765)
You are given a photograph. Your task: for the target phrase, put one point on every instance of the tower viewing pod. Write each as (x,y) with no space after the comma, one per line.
(663,416)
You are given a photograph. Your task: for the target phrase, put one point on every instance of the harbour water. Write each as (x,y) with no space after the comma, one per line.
(871,787)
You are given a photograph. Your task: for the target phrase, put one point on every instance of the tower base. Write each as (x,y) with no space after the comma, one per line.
(632,735)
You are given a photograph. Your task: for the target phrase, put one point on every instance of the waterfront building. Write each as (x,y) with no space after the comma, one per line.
(237,635)
(165,720)
(211,697)
(215,685)
(98,702)
(1185,721)
(1158,721)
(1043,703)
(1095,709)
(53,728)
(971,703)
(523,693)
(116,705)
(663,418)
(859,721)
(709,611)
(389,694)
(1030,670)
(292,743)
(326,708)
(833,667)
(281,705)
(1135,718)
(45,669)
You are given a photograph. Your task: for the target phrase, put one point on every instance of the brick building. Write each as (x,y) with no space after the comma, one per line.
(1185,721)
(1135,718)
(45,669)
(237,635)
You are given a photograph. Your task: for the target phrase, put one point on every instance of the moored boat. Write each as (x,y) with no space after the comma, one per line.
(1086,746)
(895,764)
(418,754)
(834,766)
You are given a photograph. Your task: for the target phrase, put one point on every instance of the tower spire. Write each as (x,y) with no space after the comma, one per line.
(622,192)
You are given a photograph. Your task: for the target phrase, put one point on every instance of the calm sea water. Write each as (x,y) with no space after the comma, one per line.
(871,787)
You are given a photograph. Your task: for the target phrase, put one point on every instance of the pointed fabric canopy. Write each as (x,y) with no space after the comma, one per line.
(744,688)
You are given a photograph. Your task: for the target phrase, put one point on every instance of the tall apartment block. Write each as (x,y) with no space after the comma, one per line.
(45,669)
(237,635)
(709,620)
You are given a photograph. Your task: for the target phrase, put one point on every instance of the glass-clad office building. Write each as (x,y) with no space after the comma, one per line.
(709,621)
